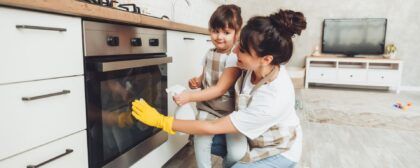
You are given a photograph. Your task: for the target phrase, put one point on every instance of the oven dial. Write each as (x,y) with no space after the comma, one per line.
(136,41)
(154,42)
(113,40)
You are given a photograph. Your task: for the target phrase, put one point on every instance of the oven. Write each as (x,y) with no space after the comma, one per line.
(122,63)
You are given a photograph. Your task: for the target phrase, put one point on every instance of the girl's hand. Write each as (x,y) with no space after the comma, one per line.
(194,83)
(182,98)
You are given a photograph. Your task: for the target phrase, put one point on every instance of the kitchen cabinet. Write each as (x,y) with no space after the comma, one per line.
(42,90)
(72,150)
(38,45)
(30,120)
(187,51)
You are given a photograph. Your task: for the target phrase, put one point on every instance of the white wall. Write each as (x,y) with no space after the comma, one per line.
(402,30)
(197,13)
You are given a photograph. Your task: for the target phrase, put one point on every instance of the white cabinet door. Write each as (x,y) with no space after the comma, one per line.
(38,45)
(73,151)
(34,113)
(316,74)
(352,76)
(383,77)
(187,51)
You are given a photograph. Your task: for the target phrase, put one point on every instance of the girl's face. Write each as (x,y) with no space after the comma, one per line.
(223,39)
(248,61)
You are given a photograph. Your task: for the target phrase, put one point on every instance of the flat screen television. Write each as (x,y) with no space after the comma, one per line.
(354,36)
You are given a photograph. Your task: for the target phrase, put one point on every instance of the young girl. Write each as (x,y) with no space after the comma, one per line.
(216,99)
(266,114)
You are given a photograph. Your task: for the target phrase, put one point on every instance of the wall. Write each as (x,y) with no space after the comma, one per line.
(403,25)
(197,13)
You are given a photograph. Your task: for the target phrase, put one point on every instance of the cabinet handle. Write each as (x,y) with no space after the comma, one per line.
(322,74)
(41,28)
(208,40)
(351,76)
(382,77)
(188,38)
(68,151)
(46,95)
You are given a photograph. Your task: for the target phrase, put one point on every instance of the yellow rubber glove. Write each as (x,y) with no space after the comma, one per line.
(150,116)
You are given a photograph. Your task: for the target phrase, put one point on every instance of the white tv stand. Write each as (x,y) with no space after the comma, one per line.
(354,71)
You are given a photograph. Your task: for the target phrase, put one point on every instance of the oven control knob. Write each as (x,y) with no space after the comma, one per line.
(113,40)
(136,41)
(153,42)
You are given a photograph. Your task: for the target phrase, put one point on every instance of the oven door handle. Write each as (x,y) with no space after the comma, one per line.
(119,65)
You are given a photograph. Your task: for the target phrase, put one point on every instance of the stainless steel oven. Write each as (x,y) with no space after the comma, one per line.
(122,63)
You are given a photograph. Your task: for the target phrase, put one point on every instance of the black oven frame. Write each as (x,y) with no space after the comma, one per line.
(105,65)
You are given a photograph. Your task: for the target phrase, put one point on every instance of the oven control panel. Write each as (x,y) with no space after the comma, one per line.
(106,39)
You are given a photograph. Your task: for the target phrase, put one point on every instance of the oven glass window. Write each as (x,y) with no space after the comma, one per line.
(110,94)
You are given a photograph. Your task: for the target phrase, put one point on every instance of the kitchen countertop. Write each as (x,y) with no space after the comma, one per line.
(91,11)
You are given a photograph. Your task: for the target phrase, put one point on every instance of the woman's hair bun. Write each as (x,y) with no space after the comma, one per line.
(288,22)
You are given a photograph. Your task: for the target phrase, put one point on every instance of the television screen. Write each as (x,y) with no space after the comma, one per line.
(354,36)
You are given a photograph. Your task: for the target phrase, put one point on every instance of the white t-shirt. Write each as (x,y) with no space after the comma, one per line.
(231,59)
(271,104)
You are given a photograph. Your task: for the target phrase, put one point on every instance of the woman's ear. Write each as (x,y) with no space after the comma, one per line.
(266,60)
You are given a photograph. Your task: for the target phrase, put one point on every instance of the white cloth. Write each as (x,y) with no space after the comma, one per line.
(271,104)
(184,112)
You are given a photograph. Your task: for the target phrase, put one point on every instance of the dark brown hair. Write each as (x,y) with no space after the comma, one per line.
(226,16)
(272,35)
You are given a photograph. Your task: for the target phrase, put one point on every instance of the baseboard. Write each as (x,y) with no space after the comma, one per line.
(410,88)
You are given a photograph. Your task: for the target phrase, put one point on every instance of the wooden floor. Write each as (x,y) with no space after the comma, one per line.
(185,159)
(332,145)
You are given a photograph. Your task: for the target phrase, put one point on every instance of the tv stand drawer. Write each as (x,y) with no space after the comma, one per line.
(383,76)
(322,74)
(352,75)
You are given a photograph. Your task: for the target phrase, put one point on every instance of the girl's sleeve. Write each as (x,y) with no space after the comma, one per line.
(231,60)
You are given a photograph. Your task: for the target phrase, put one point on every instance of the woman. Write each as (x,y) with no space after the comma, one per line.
(264,96)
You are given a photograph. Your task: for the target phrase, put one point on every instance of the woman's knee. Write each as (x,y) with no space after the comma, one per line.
(237,146)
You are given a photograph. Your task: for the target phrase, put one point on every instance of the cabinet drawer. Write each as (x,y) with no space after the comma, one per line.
(40,48)
(29,123)
(322,74)
(383,77)
(72,148)
(352,75)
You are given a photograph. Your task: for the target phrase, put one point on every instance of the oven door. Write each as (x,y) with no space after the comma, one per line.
(115,138)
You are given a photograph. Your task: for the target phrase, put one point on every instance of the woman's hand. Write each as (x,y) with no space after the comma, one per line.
(150,116)
(182,98)
(194,83)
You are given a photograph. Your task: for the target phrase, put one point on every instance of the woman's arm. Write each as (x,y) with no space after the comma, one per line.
(227,79)
(150,116)
(220,126)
